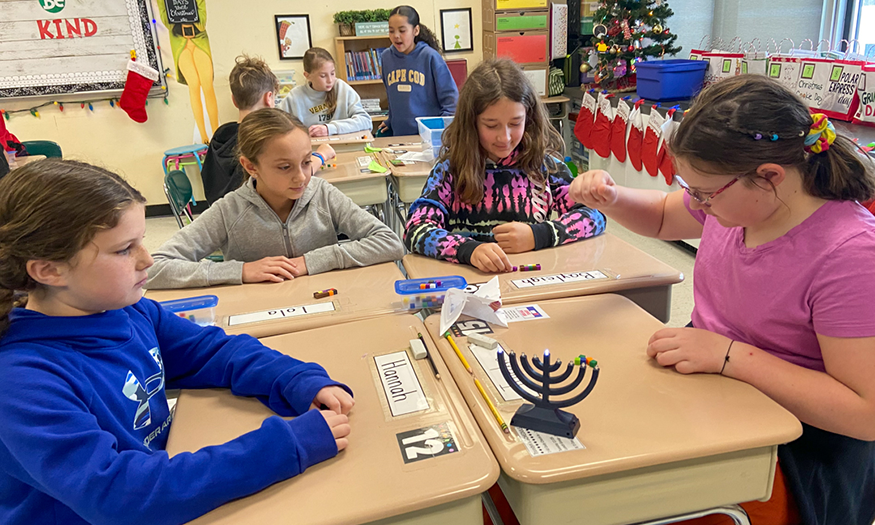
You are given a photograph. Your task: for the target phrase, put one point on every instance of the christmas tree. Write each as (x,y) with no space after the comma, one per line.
(626,32)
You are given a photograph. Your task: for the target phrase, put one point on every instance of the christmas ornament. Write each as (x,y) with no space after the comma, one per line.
(139,81)
(627,32)
(615,49)
(620,68)
(657,28)
(599,30)
(630,49)
(614,31)
(602,47)
(585,68)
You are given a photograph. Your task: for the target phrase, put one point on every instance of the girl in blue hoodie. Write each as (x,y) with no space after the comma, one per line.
(417,79)
(85,361)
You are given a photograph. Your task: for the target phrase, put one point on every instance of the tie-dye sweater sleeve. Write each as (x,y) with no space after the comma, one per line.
(575,221)
(427,232)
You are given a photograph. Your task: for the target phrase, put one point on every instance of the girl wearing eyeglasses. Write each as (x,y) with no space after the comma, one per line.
(784,280)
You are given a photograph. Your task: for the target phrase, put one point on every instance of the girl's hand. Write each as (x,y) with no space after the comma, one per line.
(318,130)
(594,189)
(689,350)
(339,425)
(335,399)
(300,266)
(514,237)
(383,127)
(326,151)
(489,257)
(270,269)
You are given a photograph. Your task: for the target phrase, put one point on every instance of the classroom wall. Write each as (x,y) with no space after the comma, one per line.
(107,136)
(778,19)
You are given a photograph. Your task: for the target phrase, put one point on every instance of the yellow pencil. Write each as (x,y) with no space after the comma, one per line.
(459,353)
(495,413)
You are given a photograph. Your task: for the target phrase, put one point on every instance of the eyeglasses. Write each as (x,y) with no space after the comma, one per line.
(698,195)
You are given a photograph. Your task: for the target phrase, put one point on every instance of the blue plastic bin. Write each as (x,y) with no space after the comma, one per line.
(427,292)
(664,80)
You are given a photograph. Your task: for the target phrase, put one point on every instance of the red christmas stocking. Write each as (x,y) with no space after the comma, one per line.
(601,129)
(583,126)
(636,136)
(666,164)
(137,86)
(650,145)
(618,131)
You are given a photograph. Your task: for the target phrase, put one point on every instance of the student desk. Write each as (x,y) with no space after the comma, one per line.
(25,160)
(369,482)
(344,141)
(362,293)
(658,443)
(629,272)
(364,188)
(406,181)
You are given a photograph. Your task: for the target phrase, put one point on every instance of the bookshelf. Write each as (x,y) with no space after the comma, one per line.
(365,88)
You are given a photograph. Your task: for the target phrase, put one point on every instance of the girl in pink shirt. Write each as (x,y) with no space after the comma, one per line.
(783,279)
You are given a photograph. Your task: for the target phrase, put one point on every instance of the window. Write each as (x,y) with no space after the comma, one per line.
(862,25)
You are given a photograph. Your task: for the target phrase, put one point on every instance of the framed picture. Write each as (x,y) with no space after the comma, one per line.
(293,35)
(456,30)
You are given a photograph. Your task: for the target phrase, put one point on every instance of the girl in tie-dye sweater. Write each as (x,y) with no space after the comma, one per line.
(497,182)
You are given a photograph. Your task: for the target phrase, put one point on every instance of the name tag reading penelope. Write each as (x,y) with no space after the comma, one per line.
(560,278)
(281,313)
(402,388)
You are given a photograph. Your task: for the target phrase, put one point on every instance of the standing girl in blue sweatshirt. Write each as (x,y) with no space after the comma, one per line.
(85,361)
(326,104)
(498,179)
(417,79)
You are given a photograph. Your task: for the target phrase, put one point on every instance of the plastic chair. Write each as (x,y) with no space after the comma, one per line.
(177,189)
(43,147)
(185,156)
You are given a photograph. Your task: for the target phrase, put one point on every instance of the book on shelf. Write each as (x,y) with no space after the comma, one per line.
(364,65)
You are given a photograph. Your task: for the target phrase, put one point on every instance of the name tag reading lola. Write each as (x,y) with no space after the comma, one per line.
(561,278)
(281,313)
(400,384)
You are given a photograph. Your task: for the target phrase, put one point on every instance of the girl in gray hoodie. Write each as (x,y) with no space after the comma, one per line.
(281,224)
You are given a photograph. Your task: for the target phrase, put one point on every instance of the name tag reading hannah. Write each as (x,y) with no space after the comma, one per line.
(281,313)
(402,388)
(561,278)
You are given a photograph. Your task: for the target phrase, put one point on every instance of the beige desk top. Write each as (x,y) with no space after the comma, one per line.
(27,159)
(627,268)
(359,137)
(348,169)
(409,143)
(639,413)
(369,480)
(362,293)
(559,99)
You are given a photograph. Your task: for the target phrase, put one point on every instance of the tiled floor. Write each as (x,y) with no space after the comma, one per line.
(160,229)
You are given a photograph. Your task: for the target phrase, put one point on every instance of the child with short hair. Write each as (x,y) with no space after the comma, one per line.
(498,179)
(85,361)
(417,79)
(326,104)
(784,279)
(253,86)
(281,224)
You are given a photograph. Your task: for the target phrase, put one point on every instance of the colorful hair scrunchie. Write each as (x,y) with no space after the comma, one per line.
(821,135)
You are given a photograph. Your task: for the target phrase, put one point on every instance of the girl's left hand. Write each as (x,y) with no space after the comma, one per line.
(335,398)
(318,130)
(689,350)
(326,151)
(300,266)
(514,237)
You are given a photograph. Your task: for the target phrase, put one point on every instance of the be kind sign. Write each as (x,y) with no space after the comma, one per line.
(67,46)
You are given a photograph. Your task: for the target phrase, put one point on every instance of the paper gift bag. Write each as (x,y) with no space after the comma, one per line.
(865,113)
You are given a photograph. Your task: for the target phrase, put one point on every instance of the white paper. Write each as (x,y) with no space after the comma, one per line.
(281,313)
(488,359)
(529,312)
(400,384)
(426,155)
(540,444)
(560,278)
(458,302)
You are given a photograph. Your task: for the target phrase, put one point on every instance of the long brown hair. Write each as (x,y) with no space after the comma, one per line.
(491,81)
(260,127)
(49,210)
(313,60)
(730,127)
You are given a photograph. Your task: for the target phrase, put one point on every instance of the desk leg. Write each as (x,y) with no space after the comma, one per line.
(735,512)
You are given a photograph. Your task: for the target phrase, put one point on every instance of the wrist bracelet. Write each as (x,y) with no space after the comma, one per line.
(726,359)
(317,154)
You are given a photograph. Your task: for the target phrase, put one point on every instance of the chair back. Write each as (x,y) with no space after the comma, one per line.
(43,147)
(177,189)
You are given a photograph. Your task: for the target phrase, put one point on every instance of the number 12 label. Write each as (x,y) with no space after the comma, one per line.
(427,442)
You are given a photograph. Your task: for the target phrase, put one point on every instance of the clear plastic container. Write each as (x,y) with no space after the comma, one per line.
(200,310)
(431,130)
(427,292)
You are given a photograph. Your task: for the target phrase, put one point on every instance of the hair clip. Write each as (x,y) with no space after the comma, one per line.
(774,137)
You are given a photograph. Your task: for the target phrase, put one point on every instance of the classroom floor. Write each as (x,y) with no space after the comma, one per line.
(160,229)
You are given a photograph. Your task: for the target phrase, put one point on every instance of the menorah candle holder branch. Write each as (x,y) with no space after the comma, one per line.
(544,414)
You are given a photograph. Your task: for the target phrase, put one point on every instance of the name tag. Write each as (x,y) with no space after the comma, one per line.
(561,278)
(281,313)
(400,384)
(404,88)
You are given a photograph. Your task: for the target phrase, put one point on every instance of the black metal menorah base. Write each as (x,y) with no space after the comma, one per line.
(556,422)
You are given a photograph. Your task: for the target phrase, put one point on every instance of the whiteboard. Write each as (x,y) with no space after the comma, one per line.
(51,47)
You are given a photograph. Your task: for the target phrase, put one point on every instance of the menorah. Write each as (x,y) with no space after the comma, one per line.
(543,414)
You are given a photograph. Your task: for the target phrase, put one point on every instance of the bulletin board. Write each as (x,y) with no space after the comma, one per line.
(52,47)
